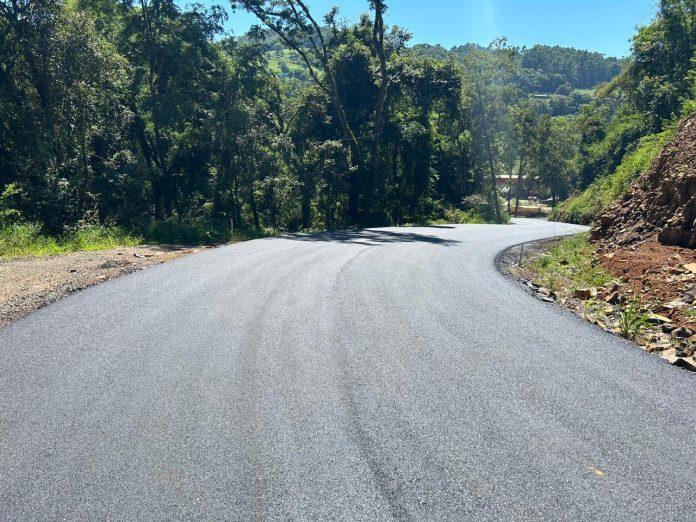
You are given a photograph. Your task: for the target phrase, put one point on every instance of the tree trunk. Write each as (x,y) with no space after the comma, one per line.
(520,180)
(493,197)
(378,42)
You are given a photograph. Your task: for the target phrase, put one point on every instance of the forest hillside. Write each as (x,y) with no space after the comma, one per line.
(126,120)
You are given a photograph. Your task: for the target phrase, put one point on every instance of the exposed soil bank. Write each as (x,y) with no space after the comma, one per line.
(661,204)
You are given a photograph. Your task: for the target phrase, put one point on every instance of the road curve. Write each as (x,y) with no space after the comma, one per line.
(386,373)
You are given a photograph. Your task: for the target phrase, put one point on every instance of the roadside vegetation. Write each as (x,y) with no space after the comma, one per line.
(149,122)
(633,320)
(22,240)
(178,133)
(570,264)
(584,207)
(27,240)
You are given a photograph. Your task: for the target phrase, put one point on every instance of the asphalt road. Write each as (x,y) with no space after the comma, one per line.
(389,373)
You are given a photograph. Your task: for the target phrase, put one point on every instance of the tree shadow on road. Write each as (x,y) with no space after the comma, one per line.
(370,237)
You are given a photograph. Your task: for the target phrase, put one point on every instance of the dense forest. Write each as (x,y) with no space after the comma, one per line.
(144,115)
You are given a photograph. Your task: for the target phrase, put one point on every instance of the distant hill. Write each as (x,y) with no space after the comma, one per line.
(559,79)
(544,69)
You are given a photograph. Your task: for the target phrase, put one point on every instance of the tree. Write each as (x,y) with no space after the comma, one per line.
(523,120)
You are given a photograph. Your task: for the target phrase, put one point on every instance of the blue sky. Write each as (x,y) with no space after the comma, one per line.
(598,25)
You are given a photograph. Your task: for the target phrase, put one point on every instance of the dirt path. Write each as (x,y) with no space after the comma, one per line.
(27,284)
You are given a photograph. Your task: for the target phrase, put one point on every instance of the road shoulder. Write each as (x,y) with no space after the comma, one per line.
(30,283)
(645,306)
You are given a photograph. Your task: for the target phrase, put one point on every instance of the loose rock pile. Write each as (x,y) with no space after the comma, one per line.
(662,203)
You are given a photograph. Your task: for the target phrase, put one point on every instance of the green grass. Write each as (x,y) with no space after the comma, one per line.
(586,206)
(632,321)
(572,263)
(25,240)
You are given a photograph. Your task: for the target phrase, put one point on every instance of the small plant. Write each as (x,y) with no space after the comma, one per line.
(632,321)
(691,315)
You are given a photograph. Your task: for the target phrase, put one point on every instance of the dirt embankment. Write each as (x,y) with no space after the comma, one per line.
(661,205)
(661,277)
(28,284)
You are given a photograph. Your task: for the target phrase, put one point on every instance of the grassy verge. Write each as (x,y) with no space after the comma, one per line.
(570,264)
(22,240)
(26,240)
(172,232)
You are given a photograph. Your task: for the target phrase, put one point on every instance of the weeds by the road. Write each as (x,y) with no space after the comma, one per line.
(572,263)
(632,321)
(27,240)
(21,240)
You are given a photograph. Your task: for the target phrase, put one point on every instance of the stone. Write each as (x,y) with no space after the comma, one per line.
(658,319)
(606,220)
(688,363)
(585,293)
(674,305)
(615,298)
(682,333)
(691,267)
(667,328)
(686,351)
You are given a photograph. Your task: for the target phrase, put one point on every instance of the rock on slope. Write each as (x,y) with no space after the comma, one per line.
(662,203)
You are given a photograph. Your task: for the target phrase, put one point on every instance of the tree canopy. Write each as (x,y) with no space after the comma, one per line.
(145,115)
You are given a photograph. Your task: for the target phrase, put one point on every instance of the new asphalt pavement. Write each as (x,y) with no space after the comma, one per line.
(362,375)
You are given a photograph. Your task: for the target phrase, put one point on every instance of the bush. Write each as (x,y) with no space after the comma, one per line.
(478,205)
(97,237)
(461,217)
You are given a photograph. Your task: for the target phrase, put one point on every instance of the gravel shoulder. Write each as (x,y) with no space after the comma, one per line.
(27,284)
